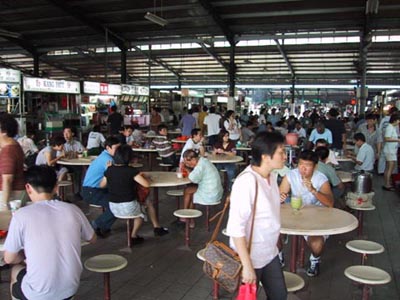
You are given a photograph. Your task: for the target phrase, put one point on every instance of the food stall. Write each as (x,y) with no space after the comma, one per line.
(135,101)
(51,104)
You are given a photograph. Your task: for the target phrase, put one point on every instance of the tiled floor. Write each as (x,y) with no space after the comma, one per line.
(161,269)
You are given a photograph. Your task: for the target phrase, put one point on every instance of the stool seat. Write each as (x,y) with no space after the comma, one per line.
(293,282)
(188,213)
(164,165)
(367,275)
(224,232)
(95,206)
(106,263)
(365,247)
(64,183)
(372,207)
(136,165)
(127,217)
(175,193)
(200,254)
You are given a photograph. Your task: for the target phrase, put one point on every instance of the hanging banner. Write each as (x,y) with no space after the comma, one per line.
(10,75)
(143,91)
(32,84)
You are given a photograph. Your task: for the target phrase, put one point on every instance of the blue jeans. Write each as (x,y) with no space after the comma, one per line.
(230,170)
(99,197)
(271,277)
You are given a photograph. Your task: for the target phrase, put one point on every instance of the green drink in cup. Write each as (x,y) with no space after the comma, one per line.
(296,202)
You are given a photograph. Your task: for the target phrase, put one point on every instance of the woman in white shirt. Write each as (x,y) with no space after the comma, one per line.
(390,149)
(262,263)
(232,126)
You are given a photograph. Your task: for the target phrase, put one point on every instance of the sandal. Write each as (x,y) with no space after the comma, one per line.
(390,189)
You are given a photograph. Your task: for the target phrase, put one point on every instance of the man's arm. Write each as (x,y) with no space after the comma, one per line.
(13,258)
(324,195)
(284,189)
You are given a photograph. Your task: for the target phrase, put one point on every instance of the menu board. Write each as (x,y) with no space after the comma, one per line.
(33,84)
(100,88)
(10,75)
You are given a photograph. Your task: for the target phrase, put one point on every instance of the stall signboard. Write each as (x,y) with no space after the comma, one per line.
(10,75)
(100,88)
(143,90)
(33,84)
(128,89)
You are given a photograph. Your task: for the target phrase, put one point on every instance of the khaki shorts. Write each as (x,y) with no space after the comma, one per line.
(390,156)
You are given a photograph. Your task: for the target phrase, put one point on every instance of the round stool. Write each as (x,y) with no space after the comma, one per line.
(187,214)
(177,194)
(106,263)
(136,165)
(200,254)
(364,247)
(360,216)
(208,205)
(62,185)
(166,167)
(224,232)
(367,276)
(129,226)
(293,282)
(97,206)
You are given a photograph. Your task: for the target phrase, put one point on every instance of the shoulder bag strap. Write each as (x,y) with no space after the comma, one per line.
(254,215)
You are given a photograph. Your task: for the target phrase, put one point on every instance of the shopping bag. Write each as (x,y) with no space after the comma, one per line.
(247,291)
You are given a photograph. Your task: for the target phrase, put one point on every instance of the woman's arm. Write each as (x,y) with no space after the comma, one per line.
(248,273)
(7,187)
(52,162)
(142,180)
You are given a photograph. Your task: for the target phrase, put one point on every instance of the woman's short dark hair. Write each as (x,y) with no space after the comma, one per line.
(229,113)
(42,178)
(309,156)
(322,152)
(221,135)
(57,141)
(265,143)
(123,155)
(110,141)
(8,125)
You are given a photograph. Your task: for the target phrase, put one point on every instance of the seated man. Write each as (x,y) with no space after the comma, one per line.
(331,157)
(314,188)
(320,132)
(196,142)
(53,257)
(207,188)
(164,146)
(326,169)
(365,158)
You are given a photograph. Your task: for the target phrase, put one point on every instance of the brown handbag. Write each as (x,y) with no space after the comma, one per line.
(223,264)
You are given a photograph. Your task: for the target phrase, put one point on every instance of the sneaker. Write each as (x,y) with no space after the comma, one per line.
(137,240)
(160,231)
(313,269)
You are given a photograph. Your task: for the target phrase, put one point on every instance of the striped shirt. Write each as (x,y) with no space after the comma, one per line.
(163,146)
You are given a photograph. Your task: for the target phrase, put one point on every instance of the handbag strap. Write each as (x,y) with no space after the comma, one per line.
(222,213)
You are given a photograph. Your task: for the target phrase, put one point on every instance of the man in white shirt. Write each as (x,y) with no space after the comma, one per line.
(365,158)
(212,122)
(196,143)
(299,130)
(46,236)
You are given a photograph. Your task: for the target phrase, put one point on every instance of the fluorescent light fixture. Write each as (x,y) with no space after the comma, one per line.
(11,34)
(155,19)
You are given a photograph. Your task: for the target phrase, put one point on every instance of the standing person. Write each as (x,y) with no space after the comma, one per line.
(314,188)
(44,242)
(262,264)
(95,141)
(155,119)
(187,123)
(12,184)
(121,181)
(115,120)
(390,149)
(202,116)
(232,126)
(93,193)
(212,123)
(337,128)
(381,139)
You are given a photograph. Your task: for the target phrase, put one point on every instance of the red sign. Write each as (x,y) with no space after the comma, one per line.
(353,101)
(103,88)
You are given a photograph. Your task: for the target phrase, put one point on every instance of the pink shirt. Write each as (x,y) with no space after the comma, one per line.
(267,222)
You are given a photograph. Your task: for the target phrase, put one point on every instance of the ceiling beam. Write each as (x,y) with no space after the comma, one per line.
(285,57)
(230,36)
(212,53)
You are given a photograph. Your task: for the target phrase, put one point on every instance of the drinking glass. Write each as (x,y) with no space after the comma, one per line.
(296,202)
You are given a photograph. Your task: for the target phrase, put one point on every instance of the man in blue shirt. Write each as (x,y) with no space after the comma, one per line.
(91,191)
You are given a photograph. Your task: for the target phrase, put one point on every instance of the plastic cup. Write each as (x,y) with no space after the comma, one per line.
(15,205)
(179,175)
(296,202)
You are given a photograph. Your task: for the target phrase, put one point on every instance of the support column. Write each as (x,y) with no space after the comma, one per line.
(36,65)
(366,42)
(232,70)
(123,65)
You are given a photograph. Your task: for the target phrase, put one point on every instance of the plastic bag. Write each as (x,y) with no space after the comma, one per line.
(247,291)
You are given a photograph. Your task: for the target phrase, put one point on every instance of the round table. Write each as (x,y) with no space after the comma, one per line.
(148,151)
(344,176)
(314,220)
(84,161)
(223,158)
(343,158)
(178,141)
(163,179)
